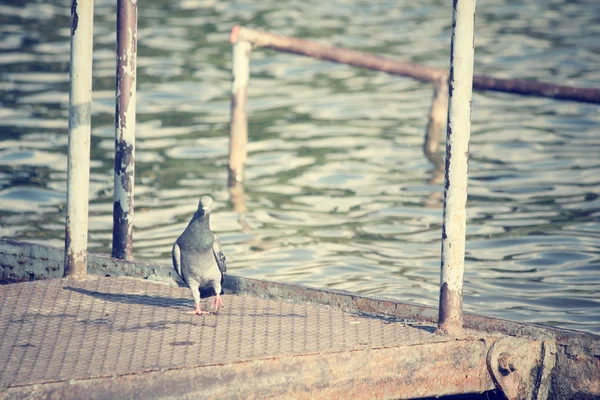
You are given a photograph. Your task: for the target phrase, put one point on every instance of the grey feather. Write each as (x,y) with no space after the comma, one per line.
(219,255)
(197,255)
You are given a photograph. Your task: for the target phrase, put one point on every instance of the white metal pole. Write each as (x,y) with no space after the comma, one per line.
(457,159)
(78,168)
(238,134)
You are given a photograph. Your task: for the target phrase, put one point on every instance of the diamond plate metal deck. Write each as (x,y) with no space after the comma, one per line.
(59,330)
(125,337)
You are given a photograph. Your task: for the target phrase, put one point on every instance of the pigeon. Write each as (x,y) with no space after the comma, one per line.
(199,260)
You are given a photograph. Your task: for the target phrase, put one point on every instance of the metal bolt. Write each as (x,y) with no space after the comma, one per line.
(506,365)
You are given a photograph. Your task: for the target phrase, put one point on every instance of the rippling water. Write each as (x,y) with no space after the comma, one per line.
(337,191)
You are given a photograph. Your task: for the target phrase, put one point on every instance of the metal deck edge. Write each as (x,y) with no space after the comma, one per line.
(21,261)
(377,373)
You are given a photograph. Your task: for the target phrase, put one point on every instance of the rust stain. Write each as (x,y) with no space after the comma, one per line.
(400,372)
(72,268)
(450,311)
(73,261)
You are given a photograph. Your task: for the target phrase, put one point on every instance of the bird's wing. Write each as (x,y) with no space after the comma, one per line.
(219,255)
(176,254)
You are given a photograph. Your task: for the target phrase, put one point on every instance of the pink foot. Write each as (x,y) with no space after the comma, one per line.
(216,302)
(198,311)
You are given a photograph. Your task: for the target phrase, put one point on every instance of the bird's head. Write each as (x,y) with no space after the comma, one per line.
(204,205)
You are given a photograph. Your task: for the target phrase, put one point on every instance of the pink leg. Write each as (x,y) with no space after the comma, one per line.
(217,301)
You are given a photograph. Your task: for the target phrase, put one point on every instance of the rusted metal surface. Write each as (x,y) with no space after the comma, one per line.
(334,298)
(78,168)
(356,303)
(412,70)
(538,89)
(543,379)
(576,374)
(393,373)
(450,316)
(517,368)
(20,261)
(576,354)
(335,54)
(122,335)
(125,113)
(416,71)
(454,226)
(238,134)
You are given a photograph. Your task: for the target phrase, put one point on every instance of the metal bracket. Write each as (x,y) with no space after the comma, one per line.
(521,368)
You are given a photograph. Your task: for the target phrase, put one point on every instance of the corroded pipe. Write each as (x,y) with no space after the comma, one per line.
(122,244)
(458,133)
(415,71)
(238,134)
(78,168)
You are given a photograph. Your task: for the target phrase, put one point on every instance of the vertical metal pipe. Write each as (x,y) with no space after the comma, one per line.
(238,134)
(122,244)
(435,127)
(78,168)
(457,158)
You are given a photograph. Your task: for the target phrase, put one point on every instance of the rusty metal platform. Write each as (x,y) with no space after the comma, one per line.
(121,334)
(126,336)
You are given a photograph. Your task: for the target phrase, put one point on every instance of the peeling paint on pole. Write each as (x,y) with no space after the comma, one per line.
(238,134)
(457,160)
(74,17)
(78,168)
(122,245)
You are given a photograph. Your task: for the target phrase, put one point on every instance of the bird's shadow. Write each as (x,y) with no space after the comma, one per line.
(141,299)
(167,302)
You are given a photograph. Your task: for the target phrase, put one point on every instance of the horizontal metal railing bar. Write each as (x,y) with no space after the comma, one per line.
(402,68)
